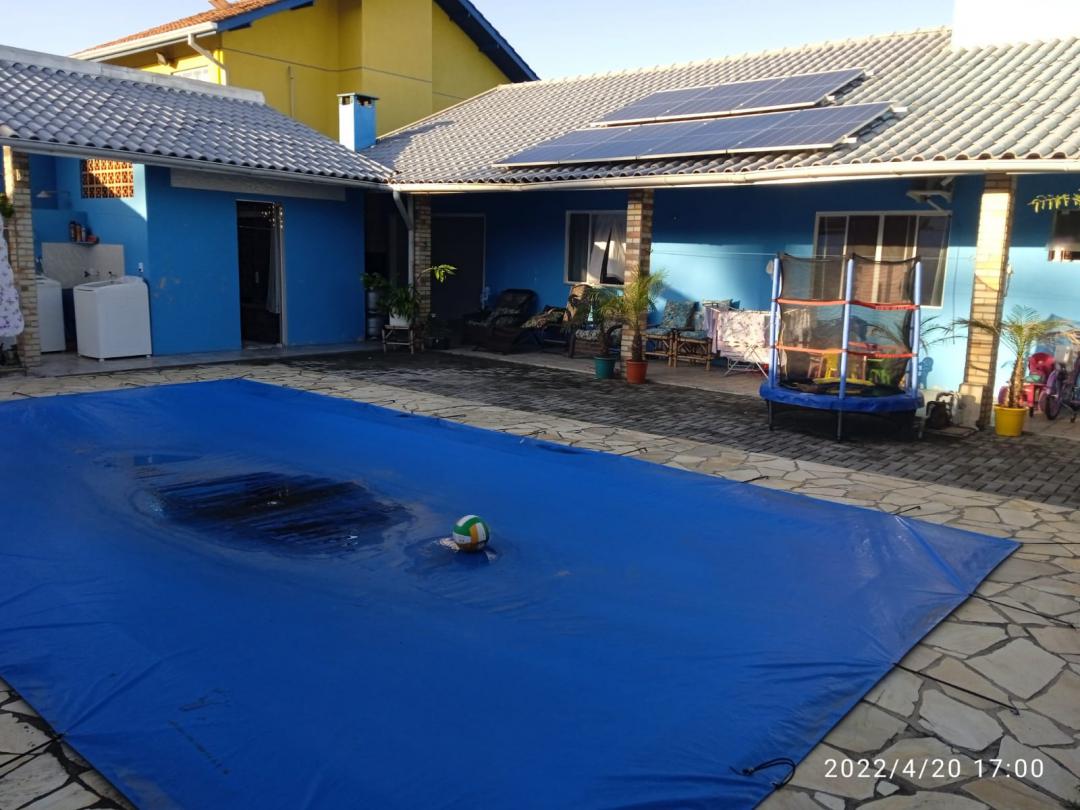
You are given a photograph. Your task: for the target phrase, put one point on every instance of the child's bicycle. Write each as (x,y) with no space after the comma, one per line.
(1063,385)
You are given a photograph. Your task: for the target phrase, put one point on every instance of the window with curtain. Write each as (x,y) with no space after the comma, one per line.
(595,247)
(885,237)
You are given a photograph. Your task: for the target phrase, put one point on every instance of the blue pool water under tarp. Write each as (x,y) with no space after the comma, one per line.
(232,595)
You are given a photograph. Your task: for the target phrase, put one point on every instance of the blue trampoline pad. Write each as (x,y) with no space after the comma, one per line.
(231,595)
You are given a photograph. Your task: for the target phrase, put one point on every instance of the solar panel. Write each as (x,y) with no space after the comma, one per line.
(793,130)
(788,92)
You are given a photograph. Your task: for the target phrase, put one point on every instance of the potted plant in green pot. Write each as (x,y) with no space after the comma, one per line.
(598,316)
(605,318)
(632,308)
(1020,332)
(402,304)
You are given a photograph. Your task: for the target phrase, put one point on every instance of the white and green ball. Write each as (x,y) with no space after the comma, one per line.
(471,533)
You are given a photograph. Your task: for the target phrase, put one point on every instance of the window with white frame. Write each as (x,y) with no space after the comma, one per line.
(1065,237)
(199,74)
(595,247)
(883,237)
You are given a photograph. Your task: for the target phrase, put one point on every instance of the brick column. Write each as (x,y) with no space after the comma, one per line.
(20,236)
(987,297)
(421,252)
(639,222)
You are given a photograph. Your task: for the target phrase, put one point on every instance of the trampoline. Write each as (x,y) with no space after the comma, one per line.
(234,595)
(844,337)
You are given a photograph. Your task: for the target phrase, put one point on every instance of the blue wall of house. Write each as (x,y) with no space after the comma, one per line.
(1052,288)
(526,235)
(193,278)
(56,185)
(716,243)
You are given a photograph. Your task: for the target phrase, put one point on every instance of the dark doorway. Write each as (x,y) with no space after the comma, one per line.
(458,240)
(258,228)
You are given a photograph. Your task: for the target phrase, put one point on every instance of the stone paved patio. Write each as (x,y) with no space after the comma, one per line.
(998,680)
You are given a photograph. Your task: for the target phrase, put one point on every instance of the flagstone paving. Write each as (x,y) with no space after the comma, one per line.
(959,725)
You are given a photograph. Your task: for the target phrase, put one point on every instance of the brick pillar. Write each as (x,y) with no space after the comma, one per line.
(20,236)
(639,222)
(421,253)
(987,297)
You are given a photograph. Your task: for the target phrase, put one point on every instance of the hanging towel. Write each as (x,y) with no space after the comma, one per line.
(11,317)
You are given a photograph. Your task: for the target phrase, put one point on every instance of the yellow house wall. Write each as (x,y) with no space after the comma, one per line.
(292,57)
(396,37)
(407,52)
(459,69)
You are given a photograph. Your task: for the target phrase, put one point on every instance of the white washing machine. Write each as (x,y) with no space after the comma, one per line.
(112,318)
(50,314)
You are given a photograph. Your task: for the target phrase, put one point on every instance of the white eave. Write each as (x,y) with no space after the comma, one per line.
(815,174)
(175,37)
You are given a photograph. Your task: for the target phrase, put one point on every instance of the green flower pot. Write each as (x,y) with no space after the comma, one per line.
(605,367)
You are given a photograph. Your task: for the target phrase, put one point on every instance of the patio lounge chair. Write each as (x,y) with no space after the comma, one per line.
(549,328)
(660,339)
(499,328)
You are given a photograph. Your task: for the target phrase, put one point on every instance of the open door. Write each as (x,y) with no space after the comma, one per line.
(458,239)
(258,227)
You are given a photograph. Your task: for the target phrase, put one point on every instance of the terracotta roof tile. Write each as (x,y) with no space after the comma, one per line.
(212,15)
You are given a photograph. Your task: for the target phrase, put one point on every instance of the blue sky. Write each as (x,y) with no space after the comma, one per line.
(557,37)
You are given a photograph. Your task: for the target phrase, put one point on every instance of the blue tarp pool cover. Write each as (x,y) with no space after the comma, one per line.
(231,595)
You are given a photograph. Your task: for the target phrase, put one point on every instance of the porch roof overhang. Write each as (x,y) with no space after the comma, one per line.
(783,176)
(176,36)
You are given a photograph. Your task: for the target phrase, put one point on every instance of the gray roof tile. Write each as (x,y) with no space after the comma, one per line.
(1018,102)
(60,104)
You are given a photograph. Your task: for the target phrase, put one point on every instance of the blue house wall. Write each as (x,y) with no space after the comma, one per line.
(715,243)
(184,243)
(193,277)
(56,189)
(1048,287)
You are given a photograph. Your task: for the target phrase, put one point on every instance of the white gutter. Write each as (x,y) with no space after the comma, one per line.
(815,174)
(61,150)
(145,43)
(407,210)
(209,57)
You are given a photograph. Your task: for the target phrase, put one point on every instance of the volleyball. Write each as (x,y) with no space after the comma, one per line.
(471,533)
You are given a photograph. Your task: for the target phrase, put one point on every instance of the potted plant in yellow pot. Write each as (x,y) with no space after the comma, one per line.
(632,308)
(1020,332)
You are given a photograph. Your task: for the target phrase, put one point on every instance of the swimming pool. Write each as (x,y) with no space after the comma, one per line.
(233,595)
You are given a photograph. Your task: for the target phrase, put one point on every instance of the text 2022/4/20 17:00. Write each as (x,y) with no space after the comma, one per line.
(932,768)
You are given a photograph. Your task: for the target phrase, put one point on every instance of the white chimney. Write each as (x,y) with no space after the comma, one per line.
(1000,22)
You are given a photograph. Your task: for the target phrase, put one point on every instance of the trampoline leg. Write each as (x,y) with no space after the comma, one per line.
(839,426)
(768,405)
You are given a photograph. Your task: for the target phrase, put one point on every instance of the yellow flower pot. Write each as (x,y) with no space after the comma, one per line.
(1009,421)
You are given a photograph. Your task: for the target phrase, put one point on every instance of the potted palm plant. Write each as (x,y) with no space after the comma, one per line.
(402,304)
(632,308)
(1020,332)
(598,313)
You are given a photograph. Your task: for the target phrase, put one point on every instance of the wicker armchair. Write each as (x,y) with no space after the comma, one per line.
(659,340)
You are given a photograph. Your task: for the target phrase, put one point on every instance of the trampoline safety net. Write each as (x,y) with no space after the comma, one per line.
(845,327)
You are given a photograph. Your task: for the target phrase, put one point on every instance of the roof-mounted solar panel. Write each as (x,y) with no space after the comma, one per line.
(794,130)
(735,98)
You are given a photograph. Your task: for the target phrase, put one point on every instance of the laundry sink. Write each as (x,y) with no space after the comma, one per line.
(112,318)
